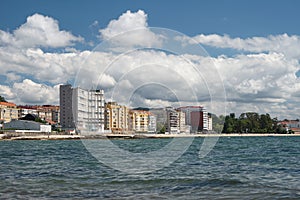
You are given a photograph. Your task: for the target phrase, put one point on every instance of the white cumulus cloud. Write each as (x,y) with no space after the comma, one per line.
(130,29)
(38,31)
(283,43)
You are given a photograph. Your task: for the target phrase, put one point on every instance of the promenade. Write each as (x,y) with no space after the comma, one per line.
(54,136)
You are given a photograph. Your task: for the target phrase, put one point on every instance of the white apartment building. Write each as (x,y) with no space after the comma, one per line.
(152,123)
(82,109)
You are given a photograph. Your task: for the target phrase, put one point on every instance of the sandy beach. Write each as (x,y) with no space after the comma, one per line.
(22,136)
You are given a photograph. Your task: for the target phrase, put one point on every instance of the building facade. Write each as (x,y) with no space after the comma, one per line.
(173,121)
(81,109)
(116,117)
(152,123)
(139,120)
(196,117)
(48,113)
(8,112)
(66,104)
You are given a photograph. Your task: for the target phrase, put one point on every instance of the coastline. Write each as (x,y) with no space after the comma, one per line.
(47,136)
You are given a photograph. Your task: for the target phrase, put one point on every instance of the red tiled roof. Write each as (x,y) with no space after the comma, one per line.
(8,104)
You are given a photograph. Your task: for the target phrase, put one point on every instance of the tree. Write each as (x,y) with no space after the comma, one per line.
(229,124)
(2,99)
(251,122)
(217,122)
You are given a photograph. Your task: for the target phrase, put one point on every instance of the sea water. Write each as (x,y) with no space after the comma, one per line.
(236,168)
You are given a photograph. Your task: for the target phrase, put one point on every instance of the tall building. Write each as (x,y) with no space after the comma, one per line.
(116,117)
(173,121)
(81,109)
(196,117)
(139,120)
(183,128)
(152,123)
(210,123)
(66,104)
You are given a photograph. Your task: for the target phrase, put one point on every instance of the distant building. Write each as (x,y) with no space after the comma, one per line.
(24,110)
(66,104)
(27,122)
(173,121)
(161,117)
(293,125)
(152,123)
(196,117)
(22,125)
(8,112)
(139,120)
(210,123)
(81,109)
(49,113)
(116,117)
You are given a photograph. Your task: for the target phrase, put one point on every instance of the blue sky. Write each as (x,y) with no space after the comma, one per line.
(235,18)
(254,45)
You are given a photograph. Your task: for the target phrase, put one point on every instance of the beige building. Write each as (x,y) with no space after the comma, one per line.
(139,120)
(181,122)
(116,117)
(8,111)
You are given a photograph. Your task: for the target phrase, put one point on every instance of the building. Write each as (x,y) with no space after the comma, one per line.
(161,118)
(293,125)
(152,123)
(116,117)
(183,128)
(196,117)
(173,121)
(210,122)
(24,110)
(139,120)
(8,112)
(28,122)
(48,113)
(81,109)
(66,104)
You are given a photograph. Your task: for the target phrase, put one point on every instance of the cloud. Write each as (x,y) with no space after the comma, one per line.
(7,92)
(130,29)
(30,92)
(284,43)
(38,31)
(260,77)
(259,82)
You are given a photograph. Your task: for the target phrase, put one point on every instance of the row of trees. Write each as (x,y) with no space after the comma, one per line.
(252,122)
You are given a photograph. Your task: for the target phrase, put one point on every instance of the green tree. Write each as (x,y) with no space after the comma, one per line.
(2,99)
(266,123)
(229,124)
(217,122)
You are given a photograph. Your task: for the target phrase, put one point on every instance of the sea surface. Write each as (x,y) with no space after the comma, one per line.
(236,168)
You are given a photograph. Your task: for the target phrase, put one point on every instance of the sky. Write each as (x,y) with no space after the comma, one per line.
(246,52)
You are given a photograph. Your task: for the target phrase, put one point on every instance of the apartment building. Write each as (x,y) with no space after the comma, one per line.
(139,120)
(8,112)
(116,117)
(81,109)
(196,117)
(152,123)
